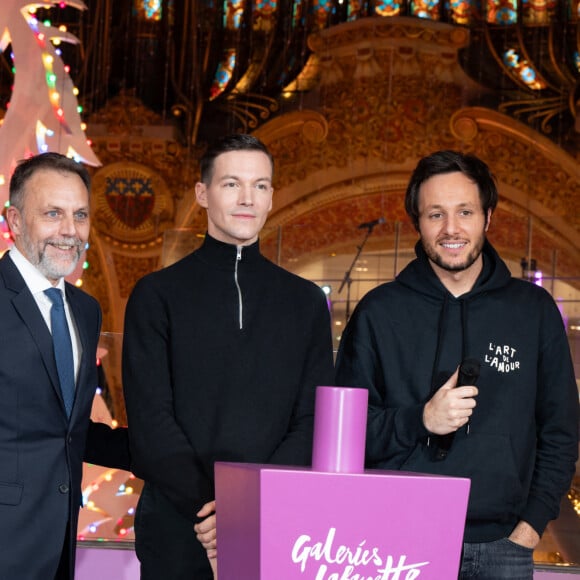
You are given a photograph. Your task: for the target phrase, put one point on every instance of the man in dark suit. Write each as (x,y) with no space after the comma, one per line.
(45,430)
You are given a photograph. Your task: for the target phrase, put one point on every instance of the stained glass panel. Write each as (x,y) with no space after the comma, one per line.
(223,74)
(428,9)
(263,16)
(354,10)
(233,12)
(388,7)
(149,9)
(522,70)
(297,12)
(321,9)
(461,11)
(502,11)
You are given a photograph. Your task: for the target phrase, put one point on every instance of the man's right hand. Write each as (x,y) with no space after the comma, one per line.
(450,407)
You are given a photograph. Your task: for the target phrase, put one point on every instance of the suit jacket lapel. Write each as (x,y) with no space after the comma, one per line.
(85,366)
(26,307)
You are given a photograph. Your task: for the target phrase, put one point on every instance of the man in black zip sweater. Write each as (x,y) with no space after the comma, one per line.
(515,433)
(222,354)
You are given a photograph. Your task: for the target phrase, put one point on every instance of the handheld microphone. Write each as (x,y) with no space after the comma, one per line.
(468,375)
(372,224)
(468,372)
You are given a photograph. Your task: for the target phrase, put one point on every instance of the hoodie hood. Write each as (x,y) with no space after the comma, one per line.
(420,276)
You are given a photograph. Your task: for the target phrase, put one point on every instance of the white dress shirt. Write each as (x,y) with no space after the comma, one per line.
(37,283)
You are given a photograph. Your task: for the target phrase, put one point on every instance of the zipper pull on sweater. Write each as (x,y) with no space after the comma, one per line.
(240,303)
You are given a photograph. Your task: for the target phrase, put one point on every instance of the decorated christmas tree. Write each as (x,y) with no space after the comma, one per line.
(43,112)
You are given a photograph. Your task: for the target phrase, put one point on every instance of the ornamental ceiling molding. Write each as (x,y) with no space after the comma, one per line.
(124,114)
(468,122)
(310,200)
(375,122)
(386,32)
(541,178)
(375,47)
(384,96)
(372,46)
(310,125)
(333,228)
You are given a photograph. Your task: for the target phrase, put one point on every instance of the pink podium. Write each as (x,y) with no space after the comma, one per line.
(326,523)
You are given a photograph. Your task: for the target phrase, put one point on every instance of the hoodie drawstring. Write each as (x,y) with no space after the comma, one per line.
(440,333)
(435,375)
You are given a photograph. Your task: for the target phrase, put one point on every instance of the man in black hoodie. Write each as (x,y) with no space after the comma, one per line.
(222,354)
(515,433)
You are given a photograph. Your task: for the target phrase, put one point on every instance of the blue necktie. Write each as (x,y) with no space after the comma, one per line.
(62,348)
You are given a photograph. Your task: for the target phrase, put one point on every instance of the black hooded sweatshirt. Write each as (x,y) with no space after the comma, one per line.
(407,337)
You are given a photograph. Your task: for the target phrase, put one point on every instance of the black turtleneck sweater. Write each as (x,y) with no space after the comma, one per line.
(222,354)
(407,337)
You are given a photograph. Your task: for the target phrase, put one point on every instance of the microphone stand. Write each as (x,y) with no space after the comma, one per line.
(347,280)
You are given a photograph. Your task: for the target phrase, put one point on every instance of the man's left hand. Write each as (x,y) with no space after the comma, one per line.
(206,529)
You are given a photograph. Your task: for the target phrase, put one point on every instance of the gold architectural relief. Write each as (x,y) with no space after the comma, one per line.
(133,203)
(249,108)
(96,283)
(537,108)
(132,269)
(383,32)
(368,61)
(168,158)
(524,160)
(368,120)
(311,126)
(125,115)
(387,90)
(357,192)
(114,269)
(328,228)
(330,71)
(146,173)
(127,131)
(485,120)
(379,56)
(308,78)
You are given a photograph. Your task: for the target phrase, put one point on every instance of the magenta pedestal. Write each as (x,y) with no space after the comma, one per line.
(106,561)
(337,521)
(277,523)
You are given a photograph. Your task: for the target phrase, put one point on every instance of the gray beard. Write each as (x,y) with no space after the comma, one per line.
(52,269)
